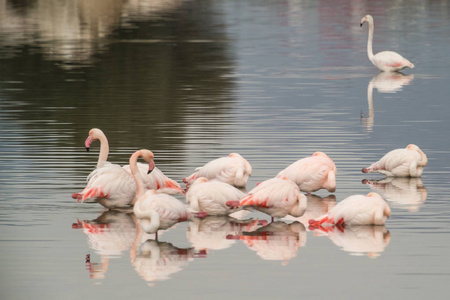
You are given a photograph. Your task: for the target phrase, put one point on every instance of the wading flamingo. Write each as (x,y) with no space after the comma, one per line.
(277,197)
(155,210)
(386,60)
(213,197)
(408,162)
(370,209)
(112,186)
(312,173)
(156,180)
(232,169)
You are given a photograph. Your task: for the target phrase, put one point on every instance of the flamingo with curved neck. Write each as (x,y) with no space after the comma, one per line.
(385,60)
(97,134)
(156,210)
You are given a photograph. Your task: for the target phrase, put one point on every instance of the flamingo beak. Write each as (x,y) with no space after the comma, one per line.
(87,143)
(151,166)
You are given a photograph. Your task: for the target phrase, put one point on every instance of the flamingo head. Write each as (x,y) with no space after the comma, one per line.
(367,18)
(148,156)
(94,134)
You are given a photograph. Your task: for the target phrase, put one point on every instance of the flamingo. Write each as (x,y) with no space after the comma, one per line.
(277,197)
(312,173)
(214,197)
(112,186)
(232,169)
(408,162)
(156,210)
(155,180)
(386,60)
(370,209)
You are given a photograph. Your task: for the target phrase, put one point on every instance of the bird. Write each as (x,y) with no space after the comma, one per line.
(232,169)
(312,173)
(408,162)
(213,197)
(386,60)
(155,180)
(112,186)
(277,197)
(370,209)
(156,210)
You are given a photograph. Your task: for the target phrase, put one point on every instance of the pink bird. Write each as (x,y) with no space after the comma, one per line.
(371,209)
(386,60)
(214,197)
(111,186)
(277,197)
(312,173)
(156,210)
(408,162)
(156,180)
(232,169)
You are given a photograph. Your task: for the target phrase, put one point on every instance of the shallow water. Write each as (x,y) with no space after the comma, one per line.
(195,80)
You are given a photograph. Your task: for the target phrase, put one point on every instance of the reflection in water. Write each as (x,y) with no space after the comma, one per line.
(275,241)
(317,207)
(158,261)
(358,240)
(211,233)
(111,234)
(406,192)
(384,82)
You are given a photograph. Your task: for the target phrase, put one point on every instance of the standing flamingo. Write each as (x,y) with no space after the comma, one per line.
(312,173)
(277,197)
(370,209)
(408,162)
(156,210)
(386,60)
(213,197)
(232,169)
(112,186)
(156,180)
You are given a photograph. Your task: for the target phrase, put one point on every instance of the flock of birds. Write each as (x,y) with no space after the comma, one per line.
(214,188)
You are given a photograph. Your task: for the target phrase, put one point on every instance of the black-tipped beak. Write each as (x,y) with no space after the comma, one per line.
(360,24)
(149,171)
(87,149)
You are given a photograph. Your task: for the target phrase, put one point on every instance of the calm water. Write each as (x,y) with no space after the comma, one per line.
(195,80)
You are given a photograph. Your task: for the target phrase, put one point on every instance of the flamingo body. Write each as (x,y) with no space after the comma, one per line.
(312,173)
(386,60)
(408,162)
(277,197)
(233,169)
(212,197)
(370,209)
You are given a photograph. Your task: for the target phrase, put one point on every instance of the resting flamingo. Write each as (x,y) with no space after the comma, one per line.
(408,162)
(312,173)
(156,210)
(214,197)
(232,169)
(156,180)
(277,197)
(370,209)
(385,60)
(112,186)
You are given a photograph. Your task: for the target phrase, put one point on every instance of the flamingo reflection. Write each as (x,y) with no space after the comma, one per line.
(211,233)
(406,192)
(109,235)
(368,240)
(275,241)
(158,261)
(317,206)
(384,82)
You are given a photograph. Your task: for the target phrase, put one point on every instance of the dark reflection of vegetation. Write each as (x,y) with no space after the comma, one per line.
(138,91)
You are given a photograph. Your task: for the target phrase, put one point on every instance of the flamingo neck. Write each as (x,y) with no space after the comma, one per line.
(299,209)
(137,178)
(104,150)
(424,160)
(369,41)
